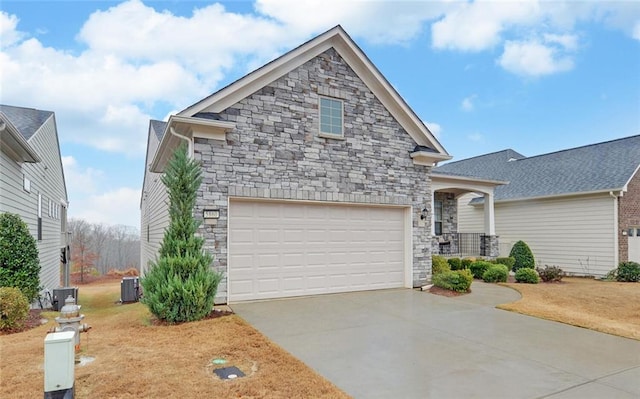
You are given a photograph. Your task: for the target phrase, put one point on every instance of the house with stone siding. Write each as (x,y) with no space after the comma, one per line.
(317,178)
(578,208)
(32,184)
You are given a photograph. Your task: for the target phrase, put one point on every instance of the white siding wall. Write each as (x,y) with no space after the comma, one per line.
(470,219)
(575,233)
(47,180)
(154,211)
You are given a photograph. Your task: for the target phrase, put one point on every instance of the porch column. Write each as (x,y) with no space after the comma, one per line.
(489,215)
(432,213)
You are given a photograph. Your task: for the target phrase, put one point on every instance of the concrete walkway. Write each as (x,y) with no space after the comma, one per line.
(410,344)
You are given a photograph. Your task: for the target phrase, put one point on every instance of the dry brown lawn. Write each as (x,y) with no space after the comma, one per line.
(609,307)
(136,359)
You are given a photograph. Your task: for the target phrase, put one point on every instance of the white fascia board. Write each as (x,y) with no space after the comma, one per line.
(619,191)
(20,148)
(191,127)
(440,177)
(353,56)
(428,158)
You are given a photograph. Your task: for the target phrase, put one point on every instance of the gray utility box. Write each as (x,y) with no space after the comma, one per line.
(129,289)
(60,294)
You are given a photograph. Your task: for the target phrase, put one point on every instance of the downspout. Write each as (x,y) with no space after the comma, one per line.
(616,243)
(187,139)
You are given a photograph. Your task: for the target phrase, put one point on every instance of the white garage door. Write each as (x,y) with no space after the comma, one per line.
(283,249)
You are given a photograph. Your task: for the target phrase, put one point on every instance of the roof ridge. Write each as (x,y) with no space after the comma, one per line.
(484,155)
(579,147)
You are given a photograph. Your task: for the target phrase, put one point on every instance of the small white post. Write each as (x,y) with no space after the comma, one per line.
(59,363)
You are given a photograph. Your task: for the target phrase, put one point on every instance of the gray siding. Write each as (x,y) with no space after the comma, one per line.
(47,179)
(154,212)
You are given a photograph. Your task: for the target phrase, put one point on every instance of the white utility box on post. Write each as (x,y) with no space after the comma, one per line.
(59,363)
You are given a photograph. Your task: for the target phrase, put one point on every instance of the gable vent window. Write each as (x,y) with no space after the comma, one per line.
(330,117)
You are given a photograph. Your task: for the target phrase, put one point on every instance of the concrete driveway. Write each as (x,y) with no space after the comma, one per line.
(410,344)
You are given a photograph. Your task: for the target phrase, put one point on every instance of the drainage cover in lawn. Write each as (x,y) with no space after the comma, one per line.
(228,373)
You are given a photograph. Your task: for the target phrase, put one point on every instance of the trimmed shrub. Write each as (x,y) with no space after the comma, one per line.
(496,274)
(628,272)
(439,265)
(479,267)
(522,255)
(550,274)
(466,262)
(181,286)
(509,261)
(19,263)
(14,308)
(526,275)
(455,263)
(455,280)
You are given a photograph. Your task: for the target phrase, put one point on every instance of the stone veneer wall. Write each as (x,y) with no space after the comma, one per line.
(275,152)
(449,211)
(628,215)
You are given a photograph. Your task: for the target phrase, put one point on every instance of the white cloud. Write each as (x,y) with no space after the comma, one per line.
(568,42)
(476,137)
(8,32)
(375,21)
(532,58)
(79,180)
(636,31)
(479,25)
(467,103)
(434,128)
(118,206)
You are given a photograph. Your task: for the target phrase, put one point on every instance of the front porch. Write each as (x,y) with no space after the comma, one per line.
(447,239)
(465,245)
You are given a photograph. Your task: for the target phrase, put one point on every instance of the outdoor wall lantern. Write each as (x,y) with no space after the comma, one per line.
(424,213)
(211,213)
(624,232)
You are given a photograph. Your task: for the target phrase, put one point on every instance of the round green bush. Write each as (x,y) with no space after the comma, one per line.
(522,255)
(496,274)
(628,272)
(466,262)
(479,267)
(526,275)
(508,261)
(14,308)
(455,263)
(455,280)
(19,263)
(439,265)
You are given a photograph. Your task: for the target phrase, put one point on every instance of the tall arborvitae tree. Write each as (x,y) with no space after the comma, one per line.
(181,285)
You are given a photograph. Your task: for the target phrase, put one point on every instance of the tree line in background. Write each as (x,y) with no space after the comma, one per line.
(97,248)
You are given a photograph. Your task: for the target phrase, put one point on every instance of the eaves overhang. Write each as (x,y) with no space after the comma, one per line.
(20,150)
(187,127)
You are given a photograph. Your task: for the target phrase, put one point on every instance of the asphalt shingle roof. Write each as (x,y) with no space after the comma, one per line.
(26,120)
(158,128)
(595,167)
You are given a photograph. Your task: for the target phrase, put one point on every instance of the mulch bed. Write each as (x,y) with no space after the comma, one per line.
(447,293)
(33,321)
(215,313)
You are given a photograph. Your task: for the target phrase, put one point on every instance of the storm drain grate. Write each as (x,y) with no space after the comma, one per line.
(228,373)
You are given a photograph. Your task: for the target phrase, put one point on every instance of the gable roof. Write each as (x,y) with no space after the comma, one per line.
(26,120)
(13,138)
(338,39)
(601,167)
(158,128)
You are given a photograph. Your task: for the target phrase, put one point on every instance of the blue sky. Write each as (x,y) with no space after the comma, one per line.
(484,76)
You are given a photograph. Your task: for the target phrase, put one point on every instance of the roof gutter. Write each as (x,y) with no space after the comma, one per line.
(17,143)
(185,138)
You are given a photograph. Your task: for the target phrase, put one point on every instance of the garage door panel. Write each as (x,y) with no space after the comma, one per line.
(292,249)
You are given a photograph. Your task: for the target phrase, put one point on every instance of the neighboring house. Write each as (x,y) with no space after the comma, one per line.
(32,183)
(578,208)
(317,177)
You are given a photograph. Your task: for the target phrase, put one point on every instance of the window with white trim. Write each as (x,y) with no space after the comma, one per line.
(331,116)
(437,217)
